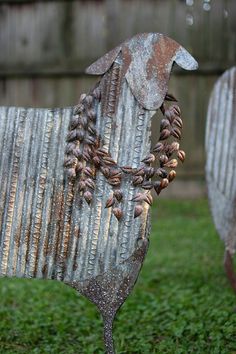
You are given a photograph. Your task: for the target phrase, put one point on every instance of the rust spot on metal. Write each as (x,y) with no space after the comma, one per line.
(45,270)
(159,62)
(127,58)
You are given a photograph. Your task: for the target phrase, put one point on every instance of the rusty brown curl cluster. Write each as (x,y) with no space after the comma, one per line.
(86,155)
(166,152)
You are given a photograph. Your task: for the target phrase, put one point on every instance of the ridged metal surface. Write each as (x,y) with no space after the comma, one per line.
(221,157)
(46,230)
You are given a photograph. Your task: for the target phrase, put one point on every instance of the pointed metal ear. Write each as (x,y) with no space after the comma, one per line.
(104,63)
(185,60)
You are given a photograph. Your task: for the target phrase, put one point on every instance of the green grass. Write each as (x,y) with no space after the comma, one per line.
(182,302)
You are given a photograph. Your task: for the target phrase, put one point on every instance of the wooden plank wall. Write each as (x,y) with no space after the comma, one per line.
(46,45)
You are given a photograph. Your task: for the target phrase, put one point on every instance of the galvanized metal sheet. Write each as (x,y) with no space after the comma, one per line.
(221,157)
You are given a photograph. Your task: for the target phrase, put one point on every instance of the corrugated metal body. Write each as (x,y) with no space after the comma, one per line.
(47,231)
(48,228)
(221,157)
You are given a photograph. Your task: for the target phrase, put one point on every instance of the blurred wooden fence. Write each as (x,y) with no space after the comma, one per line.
(45,47)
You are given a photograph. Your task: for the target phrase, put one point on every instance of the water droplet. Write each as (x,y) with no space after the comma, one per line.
(189,19)
(206,6)
(226,14)
(189,2)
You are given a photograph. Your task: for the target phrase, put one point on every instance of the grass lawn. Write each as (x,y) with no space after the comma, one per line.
(182,302)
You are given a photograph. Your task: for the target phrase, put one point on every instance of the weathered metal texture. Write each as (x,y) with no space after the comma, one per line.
(221,157)
(221,161)
(48,230)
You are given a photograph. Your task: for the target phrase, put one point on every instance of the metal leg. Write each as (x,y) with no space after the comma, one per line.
(109,290)
(108,338)
(228,264)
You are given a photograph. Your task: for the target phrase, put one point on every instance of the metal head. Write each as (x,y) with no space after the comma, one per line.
(147,62)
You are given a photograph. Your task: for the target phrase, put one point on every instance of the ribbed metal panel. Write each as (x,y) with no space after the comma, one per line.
(29,174)
(47,230)
(221,156)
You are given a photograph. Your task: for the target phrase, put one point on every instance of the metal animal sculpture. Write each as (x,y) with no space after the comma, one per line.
(75,182)
(221,163)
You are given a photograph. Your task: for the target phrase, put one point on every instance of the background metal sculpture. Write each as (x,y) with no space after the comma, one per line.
(75,182)
(221,162)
